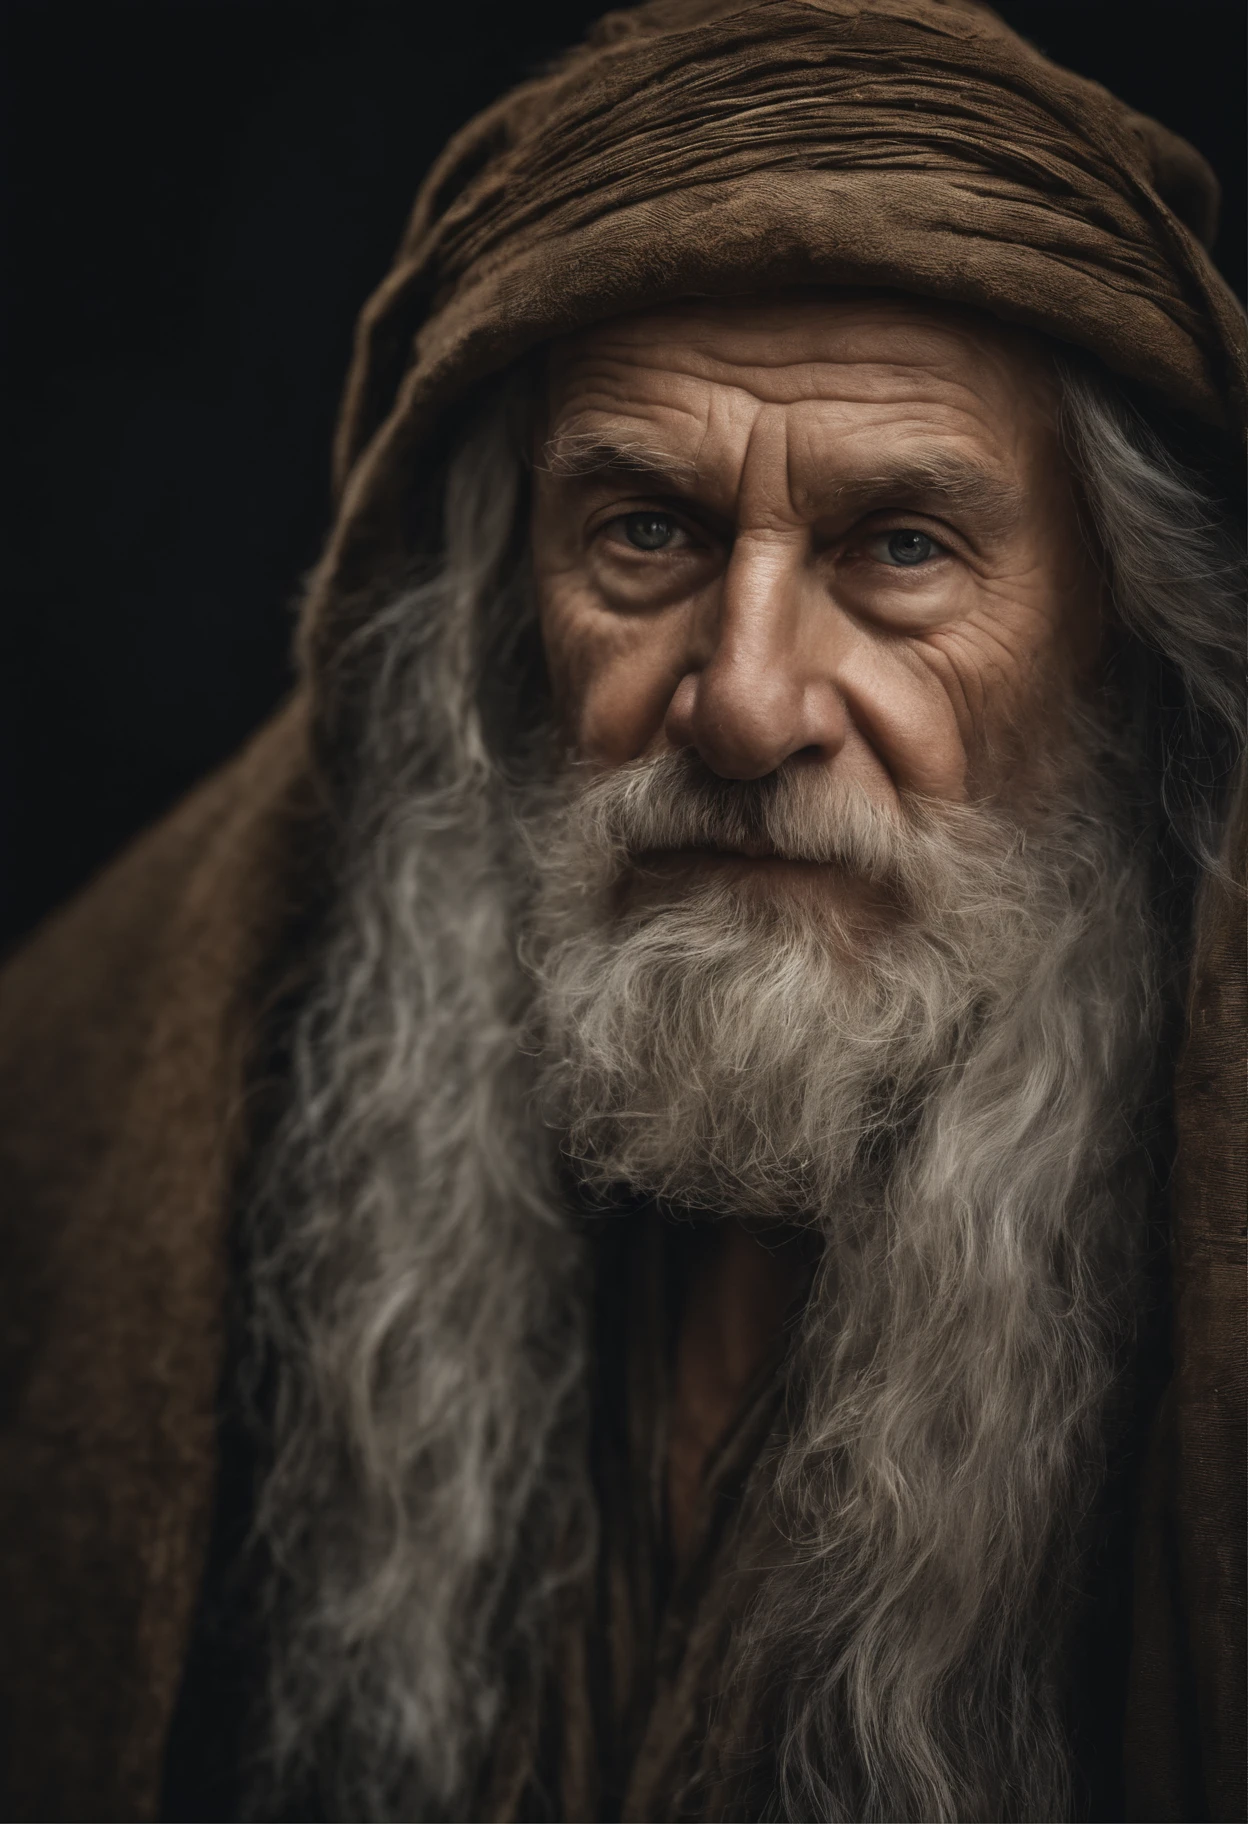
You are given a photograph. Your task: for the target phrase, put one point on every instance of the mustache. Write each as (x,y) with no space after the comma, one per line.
(673,802)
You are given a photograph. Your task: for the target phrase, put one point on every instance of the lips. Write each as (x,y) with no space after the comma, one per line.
(714,851)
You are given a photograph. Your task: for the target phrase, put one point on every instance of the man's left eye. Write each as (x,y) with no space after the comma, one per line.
(904,549)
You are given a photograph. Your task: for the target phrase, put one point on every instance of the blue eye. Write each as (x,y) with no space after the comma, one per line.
(648,531)
(906,548)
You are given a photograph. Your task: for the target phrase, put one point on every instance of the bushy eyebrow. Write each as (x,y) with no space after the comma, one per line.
(938,480)
(574,455)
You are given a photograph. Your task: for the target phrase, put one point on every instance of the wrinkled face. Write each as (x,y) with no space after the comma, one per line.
(836,532)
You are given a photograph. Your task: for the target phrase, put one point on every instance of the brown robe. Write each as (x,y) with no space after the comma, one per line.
(125,1025)
(123,1030)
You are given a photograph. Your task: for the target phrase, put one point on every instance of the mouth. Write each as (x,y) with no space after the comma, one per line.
(756,870)
(750,855)
(750,869)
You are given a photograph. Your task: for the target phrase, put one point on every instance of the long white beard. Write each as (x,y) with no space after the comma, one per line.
(946,1092)
(738,1046)
(949,1102)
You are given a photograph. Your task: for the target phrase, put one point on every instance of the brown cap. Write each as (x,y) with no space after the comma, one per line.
(710,147)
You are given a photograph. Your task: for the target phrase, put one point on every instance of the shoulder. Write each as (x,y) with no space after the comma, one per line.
(124,1028)
(78,1000)
(123,1021)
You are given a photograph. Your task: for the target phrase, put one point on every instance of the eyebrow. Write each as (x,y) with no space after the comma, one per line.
(576,455)
(941,479)
(938,479)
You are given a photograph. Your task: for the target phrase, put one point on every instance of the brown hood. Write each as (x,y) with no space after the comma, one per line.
(710,147)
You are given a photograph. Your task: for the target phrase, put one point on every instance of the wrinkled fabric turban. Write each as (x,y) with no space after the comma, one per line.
(711,147)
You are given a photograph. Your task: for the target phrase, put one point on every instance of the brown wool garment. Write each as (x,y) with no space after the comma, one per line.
(687,148)
(702,148)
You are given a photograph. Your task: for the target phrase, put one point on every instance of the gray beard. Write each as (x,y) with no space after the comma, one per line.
(947,1099)
(951,1106)
(744,1046)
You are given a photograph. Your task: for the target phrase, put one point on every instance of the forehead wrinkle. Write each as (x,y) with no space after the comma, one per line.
(765,492)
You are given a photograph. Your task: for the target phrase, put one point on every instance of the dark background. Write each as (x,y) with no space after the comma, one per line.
(197,196)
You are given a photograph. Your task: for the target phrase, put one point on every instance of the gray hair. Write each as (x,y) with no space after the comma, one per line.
(1173,560)
(414,1283)
(417,1285)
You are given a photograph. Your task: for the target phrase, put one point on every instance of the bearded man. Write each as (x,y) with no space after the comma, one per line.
(604,1224)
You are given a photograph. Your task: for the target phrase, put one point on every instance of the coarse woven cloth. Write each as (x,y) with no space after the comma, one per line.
(706,147)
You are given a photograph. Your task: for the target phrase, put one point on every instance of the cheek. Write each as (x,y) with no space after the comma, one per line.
(612,675)
(906,716)
(997,668)
(934,705)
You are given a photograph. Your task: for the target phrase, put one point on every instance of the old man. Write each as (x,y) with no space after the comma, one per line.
(634,1213)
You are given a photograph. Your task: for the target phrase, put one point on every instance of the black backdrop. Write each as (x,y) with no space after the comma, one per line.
(197,196)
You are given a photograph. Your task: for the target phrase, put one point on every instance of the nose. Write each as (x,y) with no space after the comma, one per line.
(759,688)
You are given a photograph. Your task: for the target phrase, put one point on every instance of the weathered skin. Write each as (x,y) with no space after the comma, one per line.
(775,438)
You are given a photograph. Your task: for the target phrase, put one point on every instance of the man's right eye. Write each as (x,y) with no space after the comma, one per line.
(649,531)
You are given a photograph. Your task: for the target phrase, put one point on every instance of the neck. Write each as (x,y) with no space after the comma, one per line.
(740,1292)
